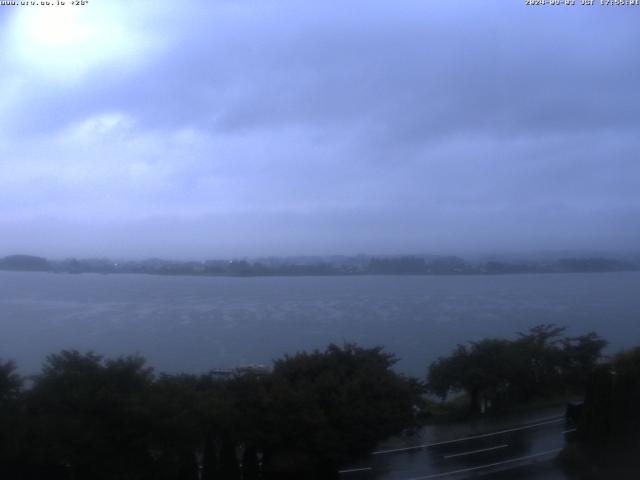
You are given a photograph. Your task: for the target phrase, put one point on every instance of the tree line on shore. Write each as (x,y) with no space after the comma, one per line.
(321,266)
(88,417)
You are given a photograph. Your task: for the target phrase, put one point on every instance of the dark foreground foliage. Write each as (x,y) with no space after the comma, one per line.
(609,428)
(86,417)
(495,372)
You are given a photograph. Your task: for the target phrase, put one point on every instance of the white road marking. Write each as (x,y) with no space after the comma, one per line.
(489,465)
(482,435)
(570,430)
(476,451)
(354,470)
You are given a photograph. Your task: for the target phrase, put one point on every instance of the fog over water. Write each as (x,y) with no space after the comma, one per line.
(195,323)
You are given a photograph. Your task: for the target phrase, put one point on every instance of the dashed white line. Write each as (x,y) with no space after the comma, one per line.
(354,470)
(489,465)
(476,451)
(569,431)
(482,435)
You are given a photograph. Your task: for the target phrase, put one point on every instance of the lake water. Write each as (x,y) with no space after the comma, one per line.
(196,323)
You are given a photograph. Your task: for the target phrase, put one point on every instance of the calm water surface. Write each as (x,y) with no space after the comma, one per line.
(197,323)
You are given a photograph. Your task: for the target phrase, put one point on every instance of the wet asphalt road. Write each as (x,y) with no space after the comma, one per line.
(515,447)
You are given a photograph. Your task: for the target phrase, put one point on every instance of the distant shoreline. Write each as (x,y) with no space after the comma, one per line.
(341,267)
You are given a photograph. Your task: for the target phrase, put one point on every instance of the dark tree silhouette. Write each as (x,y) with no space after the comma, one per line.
(338,403)
(496,372)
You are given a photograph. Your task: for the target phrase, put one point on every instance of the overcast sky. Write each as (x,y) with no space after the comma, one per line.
(194,129)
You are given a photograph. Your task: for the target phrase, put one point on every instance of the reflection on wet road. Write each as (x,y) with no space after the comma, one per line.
(497,449)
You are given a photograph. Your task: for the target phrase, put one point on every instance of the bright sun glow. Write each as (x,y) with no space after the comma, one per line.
(65,43)
(59,27)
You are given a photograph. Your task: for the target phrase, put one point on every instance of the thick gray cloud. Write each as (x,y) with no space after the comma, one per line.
(242,128)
